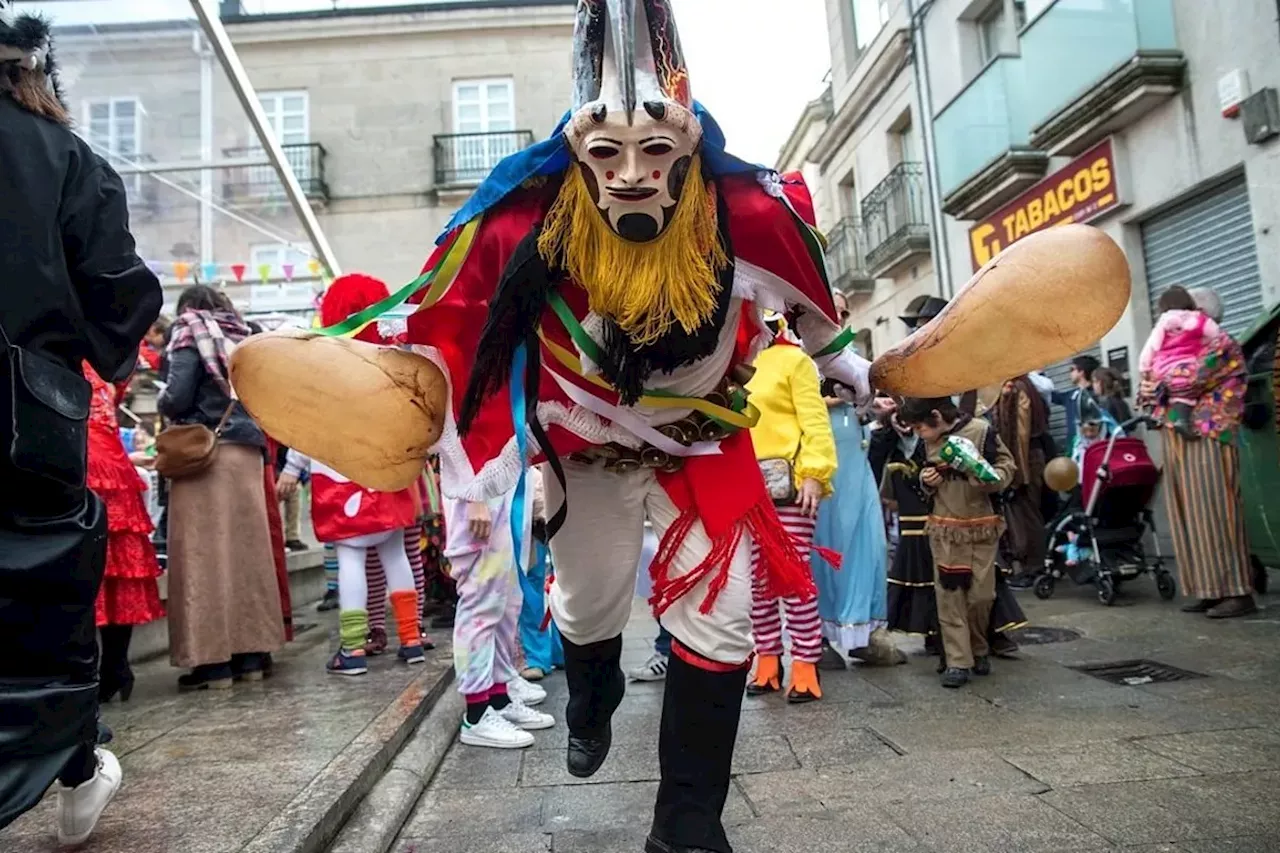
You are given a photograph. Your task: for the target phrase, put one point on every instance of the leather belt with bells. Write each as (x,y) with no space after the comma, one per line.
(692,428)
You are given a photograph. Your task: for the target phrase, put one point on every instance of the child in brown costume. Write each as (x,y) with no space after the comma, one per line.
(964,530)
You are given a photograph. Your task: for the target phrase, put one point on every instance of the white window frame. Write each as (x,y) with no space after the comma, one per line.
(863,40)
(263,179)
(474,158)
(992,21)
(277,255)
(132,182)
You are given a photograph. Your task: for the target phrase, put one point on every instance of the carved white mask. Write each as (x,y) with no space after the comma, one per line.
(636,172)
(633,129)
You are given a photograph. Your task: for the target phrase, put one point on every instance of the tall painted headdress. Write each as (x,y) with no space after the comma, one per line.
(632,129)
(632,114)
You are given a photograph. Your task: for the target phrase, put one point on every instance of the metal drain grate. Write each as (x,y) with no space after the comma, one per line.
(1136,672)
(1039,636)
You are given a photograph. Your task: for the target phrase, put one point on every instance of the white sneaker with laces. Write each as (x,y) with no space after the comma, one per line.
(524,717)
(654,669)
(525,692)
(494,731)
(80,807)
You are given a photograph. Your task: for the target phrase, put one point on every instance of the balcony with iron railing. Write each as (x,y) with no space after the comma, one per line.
(463,160)
(1084,69)
(895,217)
(846,258)
(260,182)
(1096,67)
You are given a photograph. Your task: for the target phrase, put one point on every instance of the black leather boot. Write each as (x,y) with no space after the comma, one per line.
(596,687)
(114,673)
(700,711)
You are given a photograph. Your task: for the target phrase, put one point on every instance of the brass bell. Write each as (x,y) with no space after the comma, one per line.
(716,398)
(652,457)
(742,373)
(712,431)
(681,432)
(624,466)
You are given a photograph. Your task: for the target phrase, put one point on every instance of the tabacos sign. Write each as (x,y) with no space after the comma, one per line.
(1082,190)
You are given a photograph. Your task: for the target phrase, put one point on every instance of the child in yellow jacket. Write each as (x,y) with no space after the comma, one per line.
(794,431)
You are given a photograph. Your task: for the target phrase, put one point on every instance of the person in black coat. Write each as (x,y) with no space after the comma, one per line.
(72,290)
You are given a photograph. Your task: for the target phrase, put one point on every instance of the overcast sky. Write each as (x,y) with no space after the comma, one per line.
(754,63)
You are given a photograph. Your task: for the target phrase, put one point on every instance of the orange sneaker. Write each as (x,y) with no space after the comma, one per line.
(768,678)
(805,683)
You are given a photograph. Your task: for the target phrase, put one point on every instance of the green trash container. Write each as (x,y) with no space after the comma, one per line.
(1260,445)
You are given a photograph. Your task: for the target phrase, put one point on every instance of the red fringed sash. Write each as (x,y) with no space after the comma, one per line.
(727,494)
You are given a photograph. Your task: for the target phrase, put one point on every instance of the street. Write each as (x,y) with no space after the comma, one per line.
(1037,757)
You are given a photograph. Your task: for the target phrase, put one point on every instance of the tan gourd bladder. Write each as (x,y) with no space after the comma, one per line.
(369,412)
(1045,298)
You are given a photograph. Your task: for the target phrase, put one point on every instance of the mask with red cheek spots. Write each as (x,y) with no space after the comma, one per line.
(636,172)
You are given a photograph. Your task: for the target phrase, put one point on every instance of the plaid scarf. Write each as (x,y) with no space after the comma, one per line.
(214,334)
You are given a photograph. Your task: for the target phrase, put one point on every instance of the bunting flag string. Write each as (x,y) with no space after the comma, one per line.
(185,272)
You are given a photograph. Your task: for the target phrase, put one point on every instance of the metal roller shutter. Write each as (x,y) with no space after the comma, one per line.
(1208,241)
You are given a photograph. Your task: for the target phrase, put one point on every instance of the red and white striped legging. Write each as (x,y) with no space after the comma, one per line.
(377,578)
(804,625)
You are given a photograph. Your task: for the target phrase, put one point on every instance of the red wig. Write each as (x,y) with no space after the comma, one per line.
(347,295)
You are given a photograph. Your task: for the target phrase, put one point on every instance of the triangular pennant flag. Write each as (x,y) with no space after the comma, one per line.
(287,269)
(314,266)
(264,272)
(238,271)
(180,269)
(209,272)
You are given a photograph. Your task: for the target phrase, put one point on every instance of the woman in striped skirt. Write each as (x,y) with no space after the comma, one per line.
(792,436)
(1202,482)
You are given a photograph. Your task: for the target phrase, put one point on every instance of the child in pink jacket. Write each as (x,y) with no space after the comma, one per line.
(1172,354)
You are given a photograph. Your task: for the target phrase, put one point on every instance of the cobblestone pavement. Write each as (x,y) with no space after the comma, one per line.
(1037,758)
(259,768)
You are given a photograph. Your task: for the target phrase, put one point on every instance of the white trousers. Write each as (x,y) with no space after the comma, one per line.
(353,586)
(596,552)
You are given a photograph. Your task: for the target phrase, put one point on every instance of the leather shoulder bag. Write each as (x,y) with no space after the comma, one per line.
(49,426)
(186,450)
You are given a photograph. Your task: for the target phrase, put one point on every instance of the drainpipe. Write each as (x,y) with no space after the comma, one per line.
(916,11)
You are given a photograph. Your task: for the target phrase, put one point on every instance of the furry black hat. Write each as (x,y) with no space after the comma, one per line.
(27,40)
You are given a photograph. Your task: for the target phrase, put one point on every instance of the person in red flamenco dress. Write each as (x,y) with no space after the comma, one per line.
(129,594)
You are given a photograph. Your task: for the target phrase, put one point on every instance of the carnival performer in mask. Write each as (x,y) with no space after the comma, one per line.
(604,289)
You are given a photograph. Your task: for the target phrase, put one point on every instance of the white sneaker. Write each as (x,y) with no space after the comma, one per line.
(524,717)
(525,693)
(494,730)
(654,669)
(80,807)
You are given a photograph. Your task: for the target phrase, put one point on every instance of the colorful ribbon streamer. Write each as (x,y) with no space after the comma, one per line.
(519,413)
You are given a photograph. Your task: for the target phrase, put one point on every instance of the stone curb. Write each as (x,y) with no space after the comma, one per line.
(311,820)
(383,813)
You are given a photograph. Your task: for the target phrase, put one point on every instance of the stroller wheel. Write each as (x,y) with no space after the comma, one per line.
(1106,590)
(1165,586)
(1044,587)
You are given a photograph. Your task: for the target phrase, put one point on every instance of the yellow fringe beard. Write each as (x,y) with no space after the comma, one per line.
(646,288)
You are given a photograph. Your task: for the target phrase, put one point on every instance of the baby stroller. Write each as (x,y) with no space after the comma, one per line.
(1103,543)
